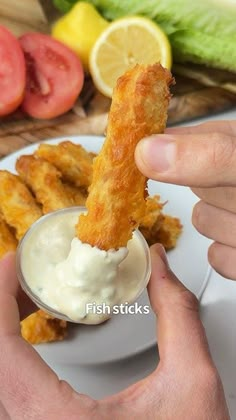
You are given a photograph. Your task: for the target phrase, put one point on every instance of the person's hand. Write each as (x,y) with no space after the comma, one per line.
(185,384)
(202,157)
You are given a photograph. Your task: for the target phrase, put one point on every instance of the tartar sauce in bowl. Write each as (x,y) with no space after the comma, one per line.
(69,279)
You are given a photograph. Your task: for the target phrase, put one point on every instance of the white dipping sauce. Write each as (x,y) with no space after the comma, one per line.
(67,275)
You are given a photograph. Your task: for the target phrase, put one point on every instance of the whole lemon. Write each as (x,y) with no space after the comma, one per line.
(79,29)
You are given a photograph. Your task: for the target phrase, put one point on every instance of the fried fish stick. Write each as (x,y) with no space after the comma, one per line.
(116,201)
(8,241)
(153,218)
(168,233)
(72,160)
(77,196)
(44,180)
(158,227)
(40,327)
(17,204)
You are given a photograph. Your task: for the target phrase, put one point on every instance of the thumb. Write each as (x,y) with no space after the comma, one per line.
(196,160)
(181,335)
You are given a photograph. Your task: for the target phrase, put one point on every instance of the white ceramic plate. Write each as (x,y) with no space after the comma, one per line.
(126,335)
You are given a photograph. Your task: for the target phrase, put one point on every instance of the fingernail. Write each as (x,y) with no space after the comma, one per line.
(158,152)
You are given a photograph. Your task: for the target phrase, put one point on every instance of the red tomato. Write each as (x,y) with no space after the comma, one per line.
(12,72)
(54,76)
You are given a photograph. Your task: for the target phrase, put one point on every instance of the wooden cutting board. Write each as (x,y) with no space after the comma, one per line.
(22,16)
(190,100)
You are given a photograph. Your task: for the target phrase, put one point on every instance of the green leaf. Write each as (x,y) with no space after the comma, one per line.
(64,5)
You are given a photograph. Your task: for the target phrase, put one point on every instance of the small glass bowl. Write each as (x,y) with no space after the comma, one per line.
(35,298)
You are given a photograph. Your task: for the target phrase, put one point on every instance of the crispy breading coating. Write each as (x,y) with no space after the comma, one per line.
(72,160)
(17,204)
(168,233)
(77,195)
(44,180)
(152,212)
(116,201)
(153,218)
(158,227)
(8,241)
(40,327)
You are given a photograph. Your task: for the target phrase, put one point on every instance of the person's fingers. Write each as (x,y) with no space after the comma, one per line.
(180,332)
(31,389)
(196,160)
(224,126)
(9,284)
(222,258)
(17,357)
(3,413)
(222,197)
(215,223)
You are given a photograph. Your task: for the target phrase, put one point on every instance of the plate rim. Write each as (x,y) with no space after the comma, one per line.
(50,139)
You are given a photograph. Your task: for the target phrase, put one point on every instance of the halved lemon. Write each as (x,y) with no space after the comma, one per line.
(124,43)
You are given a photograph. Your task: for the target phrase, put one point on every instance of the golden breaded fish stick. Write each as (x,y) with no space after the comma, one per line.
(8,241)
(44,180)
(116,201)
(158,227)
(153,218)
(168,233)
(17,204)
(40,327)
(77,196)
(72,160)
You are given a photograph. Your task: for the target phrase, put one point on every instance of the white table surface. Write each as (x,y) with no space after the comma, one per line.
(218,312)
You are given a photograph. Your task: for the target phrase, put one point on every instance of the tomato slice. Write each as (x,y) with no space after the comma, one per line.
(12,72)
(54,76)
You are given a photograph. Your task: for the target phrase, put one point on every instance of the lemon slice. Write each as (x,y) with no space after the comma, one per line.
(124,43)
